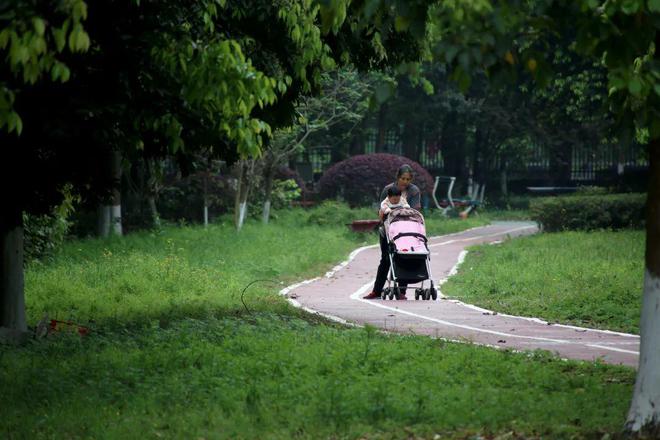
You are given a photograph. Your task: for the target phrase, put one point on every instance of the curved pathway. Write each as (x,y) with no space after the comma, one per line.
(338,296)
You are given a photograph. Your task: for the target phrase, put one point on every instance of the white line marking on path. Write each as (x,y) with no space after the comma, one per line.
(356,296)
(375,303)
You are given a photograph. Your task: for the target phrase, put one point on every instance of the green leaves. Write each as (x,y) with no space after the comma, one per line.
(59,35)
(654,5)
(60,72)
(78,39)
(401,23)
(30,51)
(631,6)
(39,26)
(635,86)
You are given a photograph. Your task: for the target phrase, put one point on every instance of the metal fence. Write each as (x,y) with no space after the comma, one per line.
(586,164)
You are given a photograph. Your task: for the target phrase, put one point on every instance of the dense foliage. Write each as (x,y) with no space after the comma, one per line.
(45,233)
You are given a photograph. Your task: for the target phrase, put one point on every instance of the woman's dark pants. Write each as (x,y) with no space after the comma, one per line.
(384,267)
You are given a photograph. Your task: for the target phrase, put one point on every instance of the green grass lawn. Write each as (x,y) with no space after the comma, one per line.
(174,354)
(591,279)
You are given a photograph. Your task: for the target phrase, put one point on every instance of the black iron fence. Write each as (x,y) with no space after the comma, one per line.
(539,166)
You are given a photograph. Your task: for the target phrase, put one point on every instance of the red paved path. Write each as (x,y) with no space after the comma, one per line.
(339,293)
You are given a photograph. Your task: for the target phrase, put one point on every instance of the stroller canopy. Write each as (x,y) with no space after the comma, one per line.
(404,214)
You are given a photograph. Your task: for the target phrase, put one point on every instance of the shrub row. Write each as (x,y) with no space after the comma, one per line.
(584,213)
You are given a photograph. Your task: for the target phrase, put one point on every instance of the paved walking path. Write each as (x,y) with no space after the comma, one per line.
(339,293)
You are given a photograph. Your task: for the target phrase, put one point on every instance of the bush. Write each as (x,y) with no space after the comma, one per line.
(591,191)
(43,234)
(284,192)
(584,213)
(360,179)
(332,212)
(285,173)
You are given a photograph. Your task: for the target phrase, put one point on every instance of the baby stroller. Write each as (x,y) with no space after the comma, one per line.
(409,253)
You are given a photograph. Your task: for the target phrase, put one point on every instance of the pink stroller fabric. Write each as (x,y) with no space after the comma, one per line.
(406,222)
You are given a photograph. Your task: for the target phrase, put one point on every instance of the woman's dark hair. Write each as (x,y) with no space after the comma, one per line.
(393,191)
(403,169)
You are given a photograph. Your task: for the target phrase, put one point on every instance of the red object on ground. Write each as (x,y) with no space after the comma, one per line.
(56,325)
(364,225)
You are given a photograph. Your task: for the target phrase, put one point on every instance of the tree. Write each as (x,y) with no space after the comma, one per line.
(34,40)
(158,78)
(342,101)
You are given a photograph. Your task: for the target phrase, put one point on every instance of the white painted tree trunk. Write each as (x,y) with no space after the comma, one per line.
(266,212)
(103,215)
(115,220)
(242,213)
(115,210)
(268,191)
(206,215)
(242,191)
(644,414)
(645,408)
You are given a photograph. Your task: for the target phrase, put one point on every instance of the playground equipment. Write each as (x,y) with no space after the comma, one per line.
(475,196)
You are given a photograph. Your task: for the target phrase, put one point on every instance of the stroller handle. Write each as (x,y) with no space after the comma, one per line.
(410,234)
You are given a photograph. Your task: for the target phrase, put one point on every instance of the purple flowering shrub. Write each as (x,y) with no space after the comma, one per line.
(360,179)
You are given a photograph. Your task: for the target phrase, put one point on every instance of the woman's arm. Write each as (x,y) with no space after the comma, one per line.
(414,198)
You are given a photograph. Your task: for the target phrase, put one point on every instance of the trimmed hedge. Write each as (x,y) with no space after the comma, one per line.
(360,179)
(585,213)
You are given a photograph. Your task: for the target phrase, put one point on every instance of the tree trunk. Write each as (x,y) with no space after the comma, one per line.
(13,324)
(152,192)
(242,195)
(103,220)
(504,179)
(237,199)
(153,211)
(206,200)
(268,190)
(644,413)
(115,212)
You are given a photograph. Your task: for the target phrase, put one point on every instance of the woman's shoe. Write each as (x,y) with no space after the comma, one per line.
(372,295)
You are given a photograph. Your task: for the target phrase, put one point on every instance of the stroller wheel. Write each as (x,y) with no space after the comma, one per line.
(383,294)
(418,293)
(434,293)
(392,294)
(427,294)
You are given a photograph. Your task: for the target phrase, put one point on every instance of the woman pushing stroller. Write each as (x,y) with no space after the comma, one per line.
(409,195)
